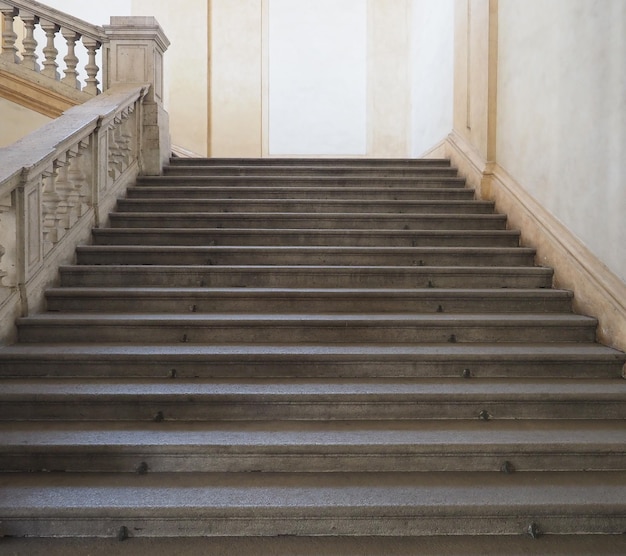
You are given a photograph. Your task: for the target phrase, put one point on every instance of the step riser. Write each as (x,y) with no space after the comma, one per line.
(284,304)
(303,207)
(383,408)
(346,521)
(308,221)
(297,238)
(217,277)
(154,190)
(311,162)
(232,367)
(346,182)
(90,256)
(316,460)
(228,332)
(424,172)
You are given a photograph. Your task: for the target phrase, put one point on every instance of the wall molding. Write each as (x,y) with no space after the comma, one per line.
(182,152)
(438,151)
(597,290)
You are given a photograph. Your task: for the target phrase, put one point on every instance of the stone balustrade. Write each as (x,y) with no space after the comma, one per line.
(53,23)
(59,182)
(62,180)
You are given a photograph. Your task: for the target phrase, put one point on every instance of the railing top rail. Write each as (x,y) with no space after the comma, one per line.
(63,19)
(36,151)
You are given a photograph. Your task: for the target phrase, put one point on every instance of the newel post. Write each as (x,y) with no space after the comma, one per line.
(134,54)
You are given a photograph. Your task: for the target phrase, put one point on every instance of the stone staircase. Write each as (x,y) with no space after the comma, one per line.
(309,347)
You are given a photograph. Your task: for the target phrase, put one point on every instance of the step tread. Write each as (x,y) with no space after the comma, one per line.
(160,184)
(440,319)
(201,495)
(518,389)
(306,249)
(271,504)
(467,545)
(300,231)
(298,269)
(234,214)
(358,293)
(260,200)
(278,166)
(492,351)
(337,181)
(308,170)
(299,161)
(414,435)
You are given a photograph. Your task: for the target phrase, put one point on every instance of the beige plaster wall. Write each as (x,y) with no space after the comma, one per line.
(389,83)
(562,114)
(474,75)
(236,78)
(17,122)
(432,70)
(186,68)
(317,80)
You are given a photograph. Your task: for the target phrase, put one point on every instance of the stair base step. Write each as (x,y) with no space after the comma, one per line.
(337,361)
(319,447)
(470,545)
(310,400)
(258,504)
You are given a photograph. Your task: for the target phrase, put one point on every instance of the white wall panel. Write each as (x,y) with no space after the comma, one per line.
(317,77)
(432,62)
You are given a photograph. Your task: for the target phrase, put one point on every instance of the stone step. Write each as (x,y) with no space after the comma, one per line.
(161,189)
(251,276)
(339,170)
(311,171)
(300,221)
(270,504)
(236,237)
(467,545)
(342,256)
(363,446)
(286,300)
(305,328)
(302,400)
(312,162)
(347,182)
(184,360)
(304,206)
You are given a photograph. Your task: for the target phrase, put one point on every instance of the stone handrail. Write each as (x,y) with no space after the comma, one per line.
(51,21)
(59,182)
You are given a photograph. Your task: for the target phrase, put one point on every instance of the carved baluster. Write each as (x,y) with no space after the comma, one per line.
(29,42)
(125,137)
(115,151)
(3,273)
(9,36)
(63,188)
(8,267)
(50,52)
(53,203)
(71,60)
(76,180)
(83,176)
(92,69)
(49,209)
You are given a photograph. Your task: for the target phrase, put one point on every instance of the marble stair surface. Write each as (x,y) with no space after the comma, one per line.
(303,348)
